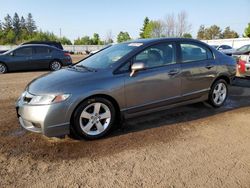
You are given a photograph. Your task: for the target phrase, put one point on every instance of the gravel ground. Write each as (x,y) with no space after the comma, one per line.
(190,146)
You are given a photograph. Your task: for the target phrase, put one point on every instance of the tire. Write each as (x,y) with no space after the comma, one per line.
(55,65)
(3,68)
(93,119)
(218,93)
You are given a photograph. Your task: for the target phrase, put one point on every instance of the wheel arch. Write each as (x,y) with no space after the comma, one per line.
(223,77)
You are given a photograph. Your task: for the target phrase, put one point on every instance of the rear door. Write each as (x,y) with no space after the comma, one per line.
(198,69)
(157,85)
(21,58)
(41,57)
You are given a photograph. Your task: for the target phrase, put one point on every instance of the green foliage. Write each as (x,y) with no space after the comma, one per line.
(187,35)
(228,33)
(123,37)
(146,22)
(247,31)
(7,24)
(86,40)
(154,29)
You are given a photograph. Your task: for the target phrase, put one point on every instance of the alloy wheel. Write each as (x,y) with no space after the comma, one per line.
(219,93)
(95,118)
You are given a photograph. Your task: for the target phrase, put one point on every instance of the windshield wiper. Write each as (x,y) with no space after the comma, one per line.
(87,68)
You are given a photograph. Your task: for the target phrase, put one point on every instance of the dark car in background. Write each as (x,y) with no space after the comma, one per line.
(124,81)
(34,57)
(50,43)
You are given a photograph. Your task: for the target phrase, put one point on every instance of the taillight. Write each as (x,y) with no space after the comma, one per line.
(242,66)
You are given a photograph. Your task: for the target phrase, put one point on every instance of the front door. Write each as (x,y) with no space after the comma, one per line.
(157,85)
(21,58)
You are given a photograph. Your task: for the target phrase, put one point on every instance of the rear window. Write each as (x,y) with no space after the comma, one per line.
(42,50)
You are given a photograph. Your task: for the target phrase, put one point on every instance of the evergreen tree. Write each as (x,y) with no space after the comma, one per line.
(201,33)
(146,22)
(30,24)
(123,36)
(22,23)
(228,33)
(7,24)
(16,24)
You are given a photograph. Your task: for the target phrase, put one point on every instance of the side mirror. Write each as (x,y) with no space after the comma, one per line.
(220,49)
(136,67)
(11,53)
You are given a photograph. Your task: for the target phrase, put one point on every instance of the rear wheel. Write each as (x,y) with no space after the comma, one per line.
(94,118)
(3,68)
(218,93)
(55,65)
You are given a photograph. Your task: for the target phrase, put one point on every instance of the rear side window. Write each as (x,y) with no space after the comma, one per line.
(194,52)
(23,52)
(42,50)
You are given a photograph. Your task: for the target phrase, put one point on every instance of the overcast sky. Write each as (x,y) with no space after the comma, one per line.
(81,17)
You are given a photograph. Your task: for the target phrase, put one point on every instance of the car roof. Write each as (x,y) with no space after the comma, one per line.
(38,45)
(155,40)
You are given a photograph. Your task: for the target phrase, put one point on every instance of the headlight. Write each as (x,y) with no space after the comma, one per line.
(48,99)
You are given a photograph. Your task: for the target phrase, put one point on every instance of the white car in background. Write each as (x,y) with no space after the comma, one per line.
(243,65)
(226,49)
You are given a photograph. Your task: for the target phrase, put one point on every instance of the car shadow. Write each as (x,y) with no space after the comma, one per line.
(147,130)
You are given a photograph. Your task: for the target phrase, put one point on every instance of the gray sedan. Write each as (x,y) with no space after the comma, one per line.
(124,81)
(34,57)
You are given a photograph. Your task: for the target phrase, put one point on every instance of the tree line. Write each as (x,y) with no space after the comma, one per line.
(15,30)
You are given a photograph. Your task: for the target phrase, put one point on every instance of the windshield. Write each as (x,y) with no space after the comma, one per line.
(109,56)
(243,48)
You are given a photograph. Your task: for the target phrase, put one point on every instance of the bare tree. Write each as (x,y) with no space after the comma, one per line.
(158,29)
(182,25)
(109,37)
(170,25)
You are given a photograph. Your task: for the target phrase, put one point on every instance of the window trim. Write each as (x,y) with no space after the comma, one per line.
(196,44)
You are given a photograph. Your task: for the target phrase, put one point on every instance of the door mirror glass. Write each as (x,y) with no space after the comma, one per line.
(137,67)
(11,53)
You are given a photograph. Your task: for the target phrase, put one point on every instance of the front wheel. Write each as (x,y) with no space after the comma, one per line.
(55,65)
(218,93)
(94,118)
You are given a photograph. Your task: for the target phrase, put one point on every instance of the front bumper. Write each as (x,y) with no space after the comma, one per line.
(49,120)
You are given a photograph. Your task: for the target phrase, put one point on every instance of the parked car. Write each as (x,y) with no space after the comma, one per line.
(34,57)
(50,43)
(226,49)
(124,81)
(244,50)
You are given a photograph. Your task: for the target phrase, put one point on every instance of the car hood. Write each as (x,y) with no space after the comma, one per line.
(62,81)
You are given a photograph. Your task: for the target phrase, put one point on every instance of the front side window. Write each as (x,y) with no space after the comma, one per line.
(157,55)
(23,52)
(194,52)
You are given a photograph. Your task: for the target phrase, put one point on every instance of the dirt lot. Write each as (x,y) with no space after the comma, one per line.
(190,146)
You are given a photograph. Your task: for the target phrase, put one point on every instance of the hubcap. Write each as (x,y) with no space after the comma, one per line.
(219,93)
(2,68)
(95,118)
(56,65)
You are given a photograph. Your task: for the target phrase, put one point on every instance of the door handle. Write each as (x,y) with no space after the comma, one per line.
(173,72)
(209,66)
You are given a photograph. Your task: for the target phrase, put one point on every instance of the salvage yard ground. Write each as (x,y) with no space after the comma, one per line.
(190,146)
